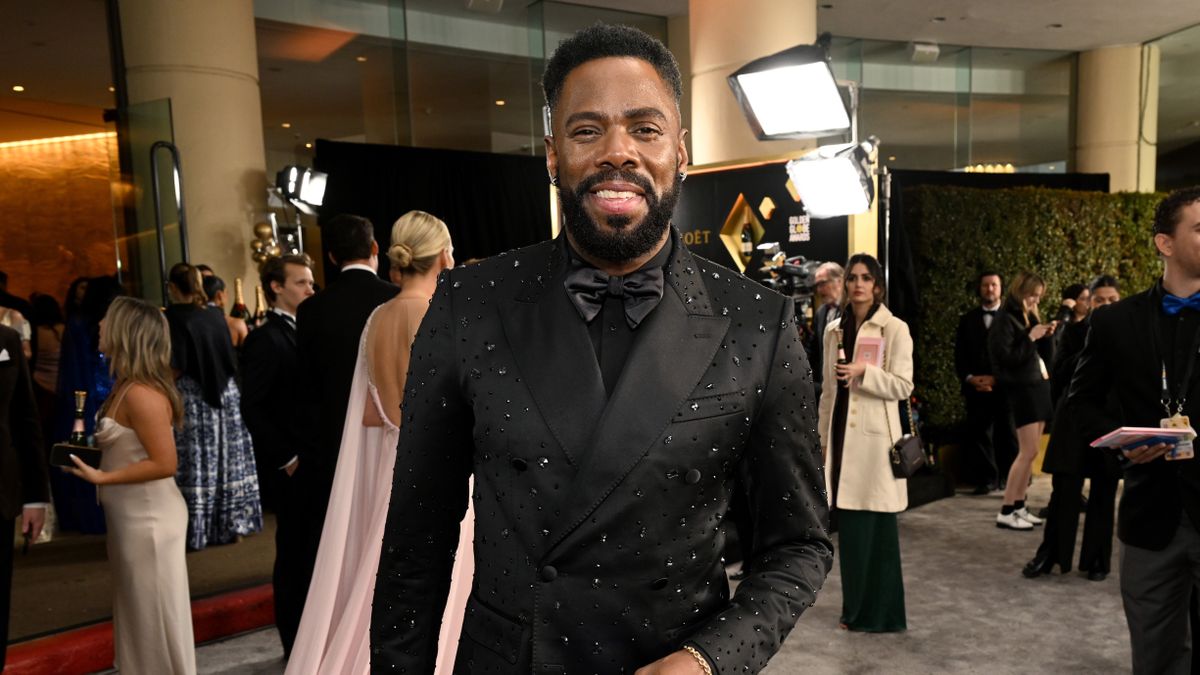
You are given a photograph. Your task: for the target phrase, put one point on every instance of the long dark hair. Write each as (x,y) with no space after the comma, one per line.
(876,272)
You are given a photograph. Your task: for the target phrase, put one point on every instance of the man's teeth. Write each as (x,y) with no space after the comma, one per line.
(614,194)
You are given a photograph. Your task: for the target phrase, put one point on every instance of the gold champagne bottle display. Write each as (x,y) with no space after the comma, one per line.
(79,430)
(260,305)
(239,301)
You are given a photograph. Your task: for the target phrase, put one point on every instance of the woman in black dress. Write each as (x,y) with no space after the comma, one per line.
(1020,347)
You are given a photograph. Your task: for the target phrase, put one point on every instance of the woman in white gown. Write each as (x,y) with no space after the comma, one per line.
(334,636)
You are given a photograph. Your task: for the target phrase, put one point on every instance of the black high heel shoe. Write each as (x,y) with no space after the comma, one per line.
(1041,564)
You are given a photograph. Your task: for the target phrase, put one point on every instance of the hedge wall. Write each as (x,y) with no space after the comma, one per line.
(1065,236)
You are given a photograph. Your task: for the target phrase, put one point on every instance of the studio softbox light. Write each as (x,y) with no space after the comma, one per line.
(791,94)
(835,180)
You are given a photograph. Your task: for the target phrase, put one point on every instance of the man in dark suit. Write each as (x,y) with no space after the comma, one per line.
(9,300)
(24,486)
(328,328)
(991,439)
(271,375)
(1143,350)
(610,391)
(830,281)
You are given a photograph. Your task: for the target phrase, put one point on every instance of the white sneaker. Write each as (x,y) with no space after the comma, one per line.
(1024,514)
(1012,522)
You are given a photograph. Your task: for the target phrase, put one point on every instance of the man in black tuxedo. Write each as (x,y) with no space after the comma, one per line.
(328,328)
(610,391)
(24,485)
(271,375)
(991,439)
(1130,347)
(830,282)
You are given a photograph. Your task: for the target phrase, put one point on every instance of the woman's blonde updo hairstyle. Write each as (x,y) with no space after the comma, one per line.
(418,238)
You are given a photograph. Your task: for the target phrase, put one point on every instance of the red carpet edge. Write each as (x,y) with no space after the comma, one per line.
(89,649)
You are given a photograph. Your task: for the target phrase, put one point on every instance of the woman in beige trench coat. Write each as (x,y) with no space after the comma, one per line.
(859,423)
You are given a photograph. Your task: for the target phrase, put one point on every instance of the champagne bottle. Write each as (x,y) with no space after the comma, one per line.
(239,301)
(79,431)
(842,360)
(260,306)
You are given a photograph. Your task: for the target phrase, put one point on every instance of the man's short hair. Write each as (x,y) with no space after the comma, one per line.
(603,40)
(1166,217)
(1104,281)
(3,278)
(349,237)
(275,269)
(834,270)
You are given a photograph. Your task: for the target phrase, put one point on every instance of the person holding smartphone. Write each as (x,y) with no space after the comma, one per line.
(145,513)
(1020,347)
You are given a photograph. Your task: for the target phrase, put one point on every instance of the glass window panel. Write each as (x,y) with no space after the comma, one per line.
(1178,109)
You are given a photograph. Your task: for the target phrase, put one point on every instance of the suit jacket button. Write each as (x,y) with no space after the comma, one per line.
(659,584)
(692,477)
(519,464)
(548,573)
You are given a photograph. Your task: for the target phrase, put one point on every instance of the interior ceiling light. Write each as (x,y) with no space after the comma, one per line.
(791,94)
(286,125)
(500,101)
(111,89)
(360,59)
(308,145)
(18,88)
(59,139)
(835,180)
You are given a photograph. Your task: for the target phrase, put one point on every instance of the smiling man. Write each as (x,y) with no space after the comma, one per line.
(610,392)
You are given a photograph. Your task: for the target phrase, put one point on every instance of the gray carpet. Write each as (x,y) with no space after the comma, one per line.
(969,608)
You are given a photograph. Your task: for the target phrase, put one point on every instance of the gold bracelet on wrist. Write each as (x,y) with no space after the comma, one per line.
(699,659)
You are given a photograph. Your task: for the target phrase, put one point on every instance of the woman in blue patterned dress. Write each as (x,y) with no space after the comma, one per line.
(216,473)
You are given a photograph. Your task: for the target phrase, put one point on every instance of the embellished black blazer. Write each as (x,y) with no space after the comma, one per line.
(598,535)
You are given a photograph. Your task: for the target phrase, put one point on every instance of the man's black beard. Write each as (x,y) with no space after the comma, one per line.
(629,241)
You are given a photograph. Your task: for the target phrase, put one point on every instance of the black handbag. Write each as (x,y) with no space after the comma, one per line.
(906,455)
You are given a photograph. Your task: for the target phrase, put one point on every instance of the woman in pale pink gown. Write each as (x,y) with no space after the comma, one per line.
(334,636)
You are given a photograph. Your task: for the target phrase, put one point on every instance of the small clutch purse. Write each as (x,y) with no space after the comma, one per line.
(60,455)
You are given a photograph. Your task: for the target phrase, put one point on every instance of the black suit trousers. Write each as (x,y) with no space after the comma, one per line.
(1062,524)
(297,540)
(991,439)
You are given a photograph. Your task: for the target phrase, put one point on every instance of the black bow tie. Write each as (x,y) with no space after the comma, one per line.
(640,291)
(990,312)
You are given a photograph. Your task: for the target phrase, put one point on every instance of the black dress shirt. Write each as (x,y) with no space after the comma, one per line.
(612,337)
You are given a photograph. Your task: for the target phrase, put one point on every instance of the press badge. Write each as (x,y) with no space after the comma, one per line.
(1183,449)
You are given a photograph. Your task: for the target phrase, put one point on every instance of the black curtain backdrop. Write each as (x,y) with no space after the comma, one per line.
(491,203)
(902,293)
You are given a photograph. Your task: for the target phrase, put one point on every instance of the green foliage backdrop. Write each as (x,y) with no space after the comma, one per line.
(1063,235)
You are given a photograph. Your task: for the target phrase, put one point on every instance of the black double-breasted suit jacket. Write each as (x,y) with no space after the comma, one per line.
(598,535)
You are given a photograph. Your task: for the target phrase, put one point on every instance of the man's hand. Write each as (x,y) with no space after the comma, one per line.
(1147,453)
(33,519)
(982,383)
(676,663)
